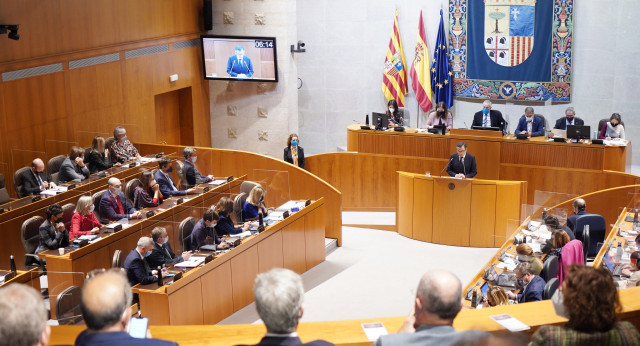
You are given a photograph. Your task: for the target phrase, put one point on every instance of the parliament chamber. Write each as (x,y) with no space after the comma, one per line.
(95,72)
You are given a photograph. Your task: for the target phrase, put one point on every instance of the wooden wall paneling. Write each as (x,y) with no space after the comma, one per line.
(423,212)
(553,155)
(167,112)
(450,230)
(185,113)
(156,308)
(217,294)
(507,212)
(191,297)
(487,155)
(270,253)
(244,268)
(293,247)
(483,214)
(314,227)
(405,202)
(139,119)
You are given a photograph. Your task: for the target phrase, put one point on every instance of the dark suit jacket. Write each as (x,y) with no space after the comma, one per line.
(162,255)
(192,175)
(200,233)
(289,341)
(289,158)
(469,169)
(116,338)
(69,171)
(138,270)
(108,207)
(165,185)
(234,67)
(30,184)
(495,117)
(225,226)
(561,124)
(98,162)
(571,220)
(533,291)
(536,130)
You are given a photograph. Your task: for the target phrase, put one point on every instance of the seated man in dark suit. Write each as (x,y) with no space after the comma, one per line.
(106,309)
(279,294)
(36,179)
(462,164)
(136,265)
(73,167)
(488,117)
(191,173)
(530,124)
(204,232)
(533,284)
(162,254)
(167,186)
(114,206)
(437,303)
(579,209)
(568,119)
(552,223)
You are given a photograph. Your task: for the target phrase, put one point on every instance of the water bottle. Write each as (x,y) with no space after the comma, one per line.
(619,252)
(635,219)
(160,283)
(12,264)
(474,299)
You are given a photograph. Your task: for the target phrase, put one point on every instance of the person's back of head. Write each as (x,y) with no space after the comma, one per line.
(560,238)
(279,294)
(551,221)
(438,298)
(579,204)
(105,302)
(24,317)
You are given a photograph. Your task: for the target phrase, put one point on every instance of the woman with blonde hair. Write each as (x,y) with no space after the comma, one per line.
(254,205)
(84,221)
(496,296)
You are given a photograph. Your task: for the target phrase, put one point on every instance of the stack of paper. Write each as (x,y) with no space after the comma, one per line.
(217,182)
(194,261)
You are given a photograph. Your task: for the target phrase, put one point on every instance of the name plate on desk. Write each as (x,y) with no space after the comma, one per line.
(150,213)
(206,189)
(229,178)
(72,186)
(35,199)
(478,133)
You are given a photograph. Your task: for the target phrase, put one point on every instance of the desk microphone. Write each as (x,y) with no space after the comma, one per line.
(448,163)
(464,169)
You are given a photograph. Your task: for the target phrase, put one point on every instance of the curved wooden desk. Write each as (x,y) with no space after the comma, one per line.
(459,212)
(490,151)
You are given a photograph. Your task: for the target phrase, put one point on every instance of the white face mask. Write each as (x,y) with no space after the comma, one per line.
(558,304)
(117,191)
(530,119)
(391,109)
(92,208)
(194,159)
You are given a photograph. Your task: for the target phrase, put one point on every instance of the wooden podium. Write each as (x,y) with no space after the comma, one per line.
(459,212)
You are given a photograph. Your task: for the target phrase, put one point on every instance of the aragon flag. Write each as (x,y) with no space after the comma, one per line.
(420,74)
(394,77)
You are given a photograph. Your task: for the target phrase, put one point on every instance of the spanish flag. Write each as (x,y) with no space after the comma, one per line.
(420,74)
(394,78)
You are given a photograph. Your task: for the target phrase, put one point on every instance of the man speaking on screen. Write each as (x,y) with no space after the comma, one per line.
(238,65)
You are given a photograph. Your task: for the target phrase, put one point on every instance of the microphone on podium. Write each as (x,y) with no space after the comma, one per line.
(445,167)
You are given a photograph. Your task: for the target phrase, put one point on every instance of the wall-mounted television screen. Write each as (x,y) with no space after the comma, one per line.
(244,58)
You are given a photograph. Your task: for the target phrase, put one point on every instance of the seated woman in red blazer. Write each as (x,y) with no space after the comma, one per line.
(84,221)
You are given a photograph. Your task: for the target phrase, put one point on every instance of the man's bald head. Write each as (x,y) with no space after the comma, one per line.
(440,294)
(579,204)
(105,298)
(38,165)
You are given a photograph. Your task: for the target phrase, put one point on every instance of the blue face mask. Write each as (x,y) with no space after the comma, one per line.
(485,111)
(294,143)
(170,169)
(147,254)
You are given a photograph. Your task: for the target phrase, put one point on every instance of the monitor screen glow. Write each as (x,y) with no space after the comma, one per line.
(242,58)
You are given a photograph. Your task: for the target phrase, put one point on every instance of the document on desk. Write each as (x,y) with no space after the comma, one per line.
(292,204)
(218,182)
(374,330)
(510,322)
(88,237)
(191,263)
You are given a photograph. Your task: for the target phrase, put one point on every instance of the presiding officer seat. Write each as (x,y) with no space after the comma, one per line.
(17,181)
(550,288)
(597,231)
(30,236)
(184,233)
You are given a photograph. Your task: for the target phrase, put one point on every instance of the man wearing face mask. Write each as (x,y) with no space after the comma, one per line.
(568,119)
(191,173)
(73,167)
(136,265)
(114,206)
(530,124)
(533,284)
(162,254)
(167,186)
(35,180)
(121,148)
(488,117)
(204,232)
(53,234)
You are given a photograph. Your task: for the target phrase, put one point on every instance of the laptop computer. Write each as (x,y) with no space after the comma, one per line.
(615,269)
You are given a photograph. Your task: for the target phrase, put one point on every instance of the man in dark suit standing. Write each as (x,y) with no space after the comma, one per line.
(191,174)
(568,119)
(162,253)
(136,265)
(106,309)
(114,206)
(462,164)
(36,179)
(488,117)
(533,284)
(579,209)
(279,295)
(167,186)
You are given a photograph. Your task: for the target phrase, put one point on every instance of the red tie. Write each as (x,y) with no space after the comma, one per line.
(120,209)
